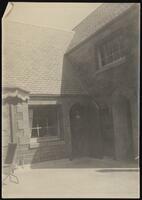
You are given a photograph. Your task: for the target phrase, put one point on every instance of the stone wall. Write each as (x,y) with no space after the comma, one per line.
(22,131)
(6,137)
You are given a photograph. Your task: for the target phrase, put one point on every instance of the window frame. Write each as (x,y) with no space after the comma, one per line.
(112,38)
(59,135)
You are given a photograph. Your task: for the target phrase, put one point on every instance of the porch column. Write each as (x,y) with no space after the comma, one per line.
(13,132)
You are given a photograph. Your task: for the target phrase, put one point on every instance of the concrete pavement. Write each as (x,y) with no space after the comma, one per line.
(64,178)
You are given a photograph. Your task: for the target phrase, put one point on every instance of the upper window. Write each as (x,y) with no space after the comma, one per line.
(112,50)
(44,121)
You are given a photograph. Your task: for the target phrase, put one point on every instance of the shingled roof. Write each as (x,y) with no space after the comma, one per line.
(100,17)
(33,59)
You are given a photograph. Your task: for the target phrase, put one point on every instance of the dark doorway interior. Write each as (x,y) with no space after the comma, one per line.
(80,143)
(86,140)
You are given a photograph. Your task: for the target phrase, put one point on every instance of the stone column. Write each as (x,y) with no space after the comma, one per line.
(6,134)
(23,129)
(13,123)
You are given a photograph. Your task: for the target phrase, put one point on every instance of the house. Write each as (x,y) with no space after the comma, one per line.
(71,94)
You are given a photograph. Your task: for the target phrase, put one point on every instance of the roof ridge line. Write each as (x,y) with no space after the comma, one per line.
(98,9)
(47,27)
(87,16)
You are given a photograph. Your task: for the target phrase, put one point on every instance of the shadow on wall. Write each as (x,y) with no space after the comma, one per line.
(70,84)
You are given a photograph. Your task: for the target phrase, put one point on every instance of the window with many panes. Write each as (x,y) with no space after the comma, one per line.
(44,121)
(112,50)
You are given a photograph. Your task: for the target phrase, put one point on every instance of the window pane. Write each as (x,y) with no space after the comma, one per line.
(116,55)
(52,131)
(112,50)
(53,123)
(116,46)
(42,132)
(45,121)
(34,133)
(110,59)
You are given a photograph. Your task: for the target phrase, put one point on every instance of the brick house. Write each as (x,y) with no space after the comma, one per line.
(73,93)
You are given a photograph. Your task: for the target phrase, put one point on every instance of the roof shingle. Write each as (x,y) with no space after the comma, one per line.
(96,20)
(33,60)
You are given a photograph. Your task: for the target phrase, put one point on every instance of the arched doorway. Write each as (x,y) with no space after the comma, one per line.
(85,131)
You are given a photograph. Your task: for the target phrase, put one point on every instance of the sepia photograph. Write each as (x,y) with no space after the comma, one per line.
(70,100)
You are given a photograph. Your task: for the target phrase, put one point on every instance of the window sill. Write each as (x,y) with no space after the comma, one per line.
(35,142)
(111,65)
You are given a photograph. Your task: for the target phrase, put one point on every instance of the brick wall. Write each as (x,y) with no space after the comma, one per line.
(45,151)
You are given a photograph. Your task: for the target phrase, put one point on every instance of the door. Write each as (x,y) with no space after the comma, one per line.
(85,131)
(80,136)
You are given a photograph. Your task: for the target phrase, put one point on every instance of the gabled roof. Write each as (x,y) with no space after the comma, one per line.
(100,17)
(33,59)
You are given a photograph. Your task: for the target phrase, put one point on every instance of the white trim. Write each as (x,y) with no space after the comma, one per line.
(111,65)
(43,102)
(15,94)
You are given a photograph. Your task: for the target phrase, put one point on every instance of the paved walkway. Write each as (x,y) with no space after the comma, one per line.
(78,178)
